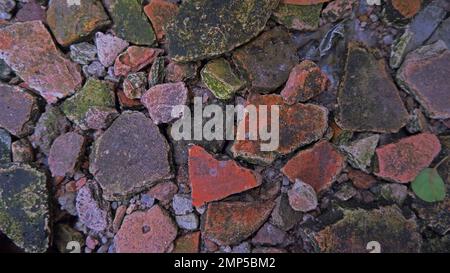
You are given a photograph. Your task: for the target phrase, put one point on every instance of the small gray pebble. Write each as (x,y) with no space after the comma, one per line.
(182,204)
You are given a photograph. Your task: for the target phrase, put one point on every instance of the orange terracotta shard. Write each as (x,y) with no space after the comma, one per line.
(228,223)
(213,179)
(305,82)
(318,166)
(160,12)
(402,161)
(407,8)
(299,125)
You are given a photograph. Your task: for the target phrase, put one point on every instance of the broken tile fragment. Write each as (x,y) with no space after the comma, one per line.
(160,13)
(69,23)
(298,17)
(181,146)
(402,161)
(109,47)
(361,180)
(24,209)
(134,59)
(134,85)
(318,166)
(283,216)
(399,11)
(213,179)
(58,77)
(130,22)
(267,60)
(19,110)
(338,10)
(207,28)
(163,192)
(151,231)
(95,93)
(219,77)
(300,124)
(424,75)
(306,81)
(360,152)
(340,136)
(229,223)
(188,243)
(386,225)
(269,234)
(92,210)
(368,98)
(130,156)
(30,11)
(50,125)
(177,72)
(407,8)
(127,103)
(161,99)
(65,153)
(302,197)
